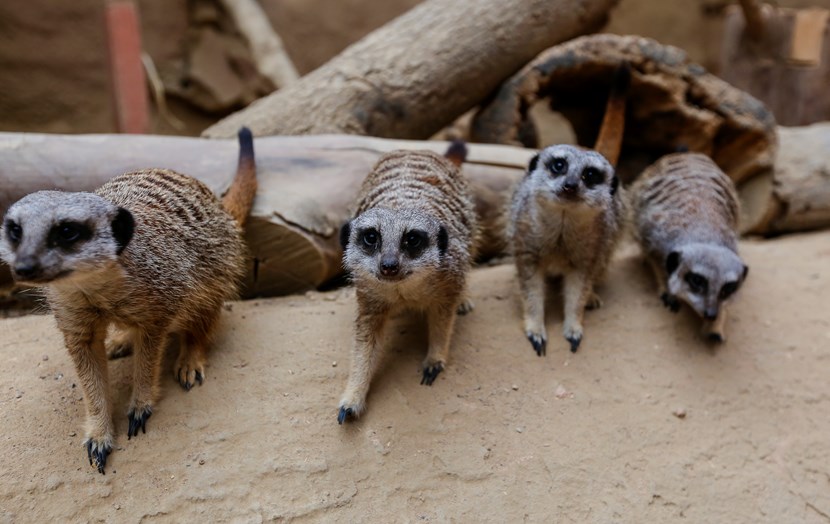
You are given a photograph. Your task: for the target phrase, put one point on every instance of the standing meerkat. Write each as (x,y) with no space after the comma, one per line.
(409,246)
(686,219)
(565,218)
(152,252)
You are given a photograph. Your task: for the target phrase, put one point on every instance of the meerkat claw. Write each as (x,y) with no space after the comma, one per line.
(575,341)
(98,453)
(344,414)
(138,419)
(539,343)
(430,373)
(670,302)
(199,378)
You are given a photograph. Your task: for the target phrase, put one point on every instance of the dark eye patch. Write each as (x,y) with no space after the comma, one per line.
(592,176)
(66,235)
(697,283)
(727,290)
(558,166)
(370,239)
(414,242)
(14,232)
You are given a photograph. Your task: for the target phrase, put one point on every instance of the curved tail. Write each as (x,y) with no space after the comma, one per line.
(609,141)
(239,199)
(457,152)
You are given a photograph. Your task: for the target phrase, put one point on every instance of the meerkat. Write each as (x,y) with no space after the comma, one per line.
(686,218)
(153,252)
(565,218)
(409,247)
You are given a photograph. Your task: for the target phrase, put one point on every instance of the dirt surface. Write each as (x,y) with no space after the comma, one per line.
(502,435)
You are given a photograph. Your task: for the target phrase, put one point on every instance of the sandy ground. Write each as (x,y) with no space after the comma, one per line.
(502,436)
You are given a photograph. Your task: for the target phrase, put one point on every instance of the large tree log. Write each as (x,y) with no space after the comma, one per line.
(306,187)
(416,74)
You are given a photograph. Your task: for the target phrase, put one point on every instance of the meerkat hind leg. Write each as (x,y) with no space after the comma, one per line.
(148,353)
(190,364)
(120,344)
(366,353)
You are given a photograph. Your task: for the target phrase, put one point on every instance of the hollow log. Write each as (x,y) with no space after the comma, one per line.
(307,186)
(415,75)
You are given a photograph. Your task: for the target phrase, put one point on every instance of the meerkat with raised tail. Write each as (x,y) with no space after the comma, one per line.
(409,247)
(565,218)
(686,220)
(153,252)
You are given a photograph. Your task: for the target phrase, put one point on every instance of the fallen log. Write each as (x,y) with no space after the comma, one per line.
(306,187)
(416,74)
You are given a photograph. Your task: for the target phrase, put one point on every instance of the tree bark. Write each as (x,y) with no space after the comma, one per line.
(416,74)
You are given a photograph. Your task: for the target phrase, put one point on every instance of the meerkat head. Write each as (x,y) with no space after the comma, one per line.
(52,235)
(565,174)
(704,276)
(392,245)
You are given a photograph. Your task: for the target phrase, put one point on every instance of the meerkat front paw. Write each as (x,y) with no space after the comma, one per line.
(98,449)
(351,407)
(465,307)
(430,372)
(573,334)
(671,302)
(138,419)
(539,342)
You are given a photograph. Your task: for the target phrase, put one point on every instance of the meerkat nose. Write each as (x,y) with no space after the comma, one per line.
(26,267)
(389,266)
(569,188)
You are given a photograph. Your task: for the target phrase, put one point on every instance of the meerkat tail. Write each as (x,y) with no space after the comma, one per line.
(239,198)
(609,141)
(457,152)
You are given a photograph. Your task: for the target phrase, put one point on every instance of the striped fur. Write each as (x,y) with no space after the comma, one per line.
(157,253)
(686,218)
(408,194)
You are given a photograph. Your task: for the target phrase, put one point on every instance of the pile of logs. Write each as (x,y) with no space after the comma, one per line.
(418,74)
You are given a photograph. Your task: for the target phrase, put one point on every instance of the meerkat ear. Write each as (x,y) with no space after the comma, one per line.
(672,261)
(615,183)
(345,233)
(123,226)
(531,167)
(443,240)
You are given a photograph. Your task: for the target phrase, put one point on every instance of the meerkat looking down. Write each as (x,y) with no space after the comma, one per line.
(409,246)
(686,218)
(152,252)
(565,218)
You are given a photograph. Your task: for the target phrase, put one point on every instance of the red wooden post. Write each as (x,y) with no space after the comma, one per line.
(128,81)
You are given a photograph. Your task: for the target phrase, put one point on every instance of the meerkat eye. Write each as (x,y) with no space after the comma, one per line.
(14,232)
(728,289)
(697,283)
(558,166)
(371,238)
(66,234)
(414,242)
(413,239)
(592,176)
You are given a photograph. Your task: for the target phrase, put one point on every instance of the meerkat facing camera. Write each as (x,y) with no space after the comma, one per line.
(409,247)
(565,218)
(152,252)
(686,219)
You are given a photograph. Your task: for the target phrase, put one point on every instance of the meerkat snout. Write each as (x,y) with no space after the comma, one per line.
(49,236)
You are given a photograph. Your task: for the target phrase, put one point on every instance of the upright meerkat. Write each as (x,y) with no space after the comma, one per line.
(409,246)
(565,218)
(153,252)
(686,219)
